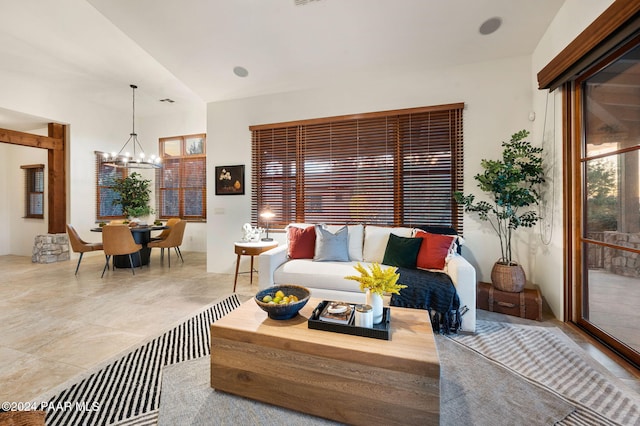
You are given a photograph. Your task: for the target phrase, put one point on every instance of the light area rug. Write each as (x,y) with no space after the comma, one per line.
(486,379)
(474,391)
(547,358)
(188,399)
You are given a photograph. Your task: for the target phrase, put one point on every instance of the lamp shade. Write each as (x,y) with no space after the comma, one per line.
(267,214)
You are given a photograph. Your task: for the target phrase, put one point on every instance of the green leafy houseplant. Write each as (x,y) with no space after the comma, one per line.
(133,194)
(512,184)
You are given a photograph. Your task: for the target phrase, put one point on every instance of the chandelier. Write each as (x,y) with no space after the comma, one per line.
(137,159)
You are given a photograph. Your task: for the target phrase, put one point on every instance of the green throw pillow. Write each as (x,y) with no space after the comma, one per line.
(401,251)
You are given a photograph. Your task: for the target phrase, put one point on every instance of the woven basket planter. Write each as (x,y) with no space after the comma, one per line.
(509,278)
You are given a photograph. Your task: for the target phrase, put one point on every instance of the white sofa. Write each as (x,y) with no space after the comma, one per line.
(326,280)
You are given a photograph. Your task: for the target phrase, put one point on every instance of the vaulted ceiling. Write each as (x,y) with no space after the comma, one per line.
(186,50)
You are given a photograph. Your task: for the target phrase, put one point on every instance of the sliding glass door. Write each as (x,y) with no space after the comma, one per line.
(608,108)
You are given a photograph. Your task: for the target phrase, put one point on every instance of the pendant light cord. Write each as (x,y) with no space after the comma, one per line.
(133,108)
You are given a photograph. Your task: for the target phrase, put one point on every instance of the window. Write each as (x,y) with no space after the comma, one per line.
(181,183)
(34,191)
(388,168)
(105,177)
(609,168)
(599,76)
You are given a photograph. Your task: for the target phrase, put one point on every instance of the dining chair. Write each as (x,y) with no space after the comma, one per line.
(118,240)
(78,245)
(174,240)
(165,232)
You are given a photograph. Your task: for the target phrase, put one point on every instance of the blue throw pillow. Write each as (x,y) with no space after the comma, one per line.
(401,251)
(331,246)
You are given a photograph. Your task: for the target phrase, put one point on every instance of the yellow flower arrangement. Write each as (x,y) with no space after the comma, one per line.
(378,280)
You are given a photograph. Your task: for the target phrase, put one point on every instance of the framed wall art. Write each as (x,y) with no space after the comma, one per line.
(230,180)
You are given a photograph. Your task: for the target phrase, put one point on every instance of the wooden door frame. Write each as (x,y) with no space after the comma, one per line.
(55,145)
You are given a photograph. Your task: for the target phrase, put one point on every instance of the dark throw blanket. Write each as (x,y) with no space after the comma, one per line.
(433,291)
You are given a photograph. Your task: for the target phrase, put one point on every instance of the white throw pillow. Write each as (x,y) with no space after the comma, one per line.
(376,238)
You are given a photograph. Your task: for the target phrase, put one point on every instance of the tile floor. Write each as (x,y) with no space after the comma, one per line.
(55,325)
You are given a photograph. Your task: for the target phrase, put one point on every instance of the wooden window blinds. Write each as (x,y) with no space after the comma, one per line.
(181,183)
(105,180)
(34,191)
(396,167)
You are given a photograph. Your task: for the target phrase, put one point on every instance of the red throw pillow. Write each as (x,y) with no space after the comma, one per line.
(302,242)
(433,250)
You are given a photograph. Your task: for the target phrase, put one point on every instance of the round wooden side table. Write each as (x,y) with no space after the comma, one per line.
(247,248)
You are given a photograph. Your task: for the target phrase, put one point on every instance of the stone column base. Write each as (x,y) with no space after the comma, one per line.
(50,248)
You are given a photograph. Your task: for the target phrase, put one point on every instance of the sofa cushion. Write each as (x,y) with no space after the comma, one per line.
(402,251)
(356,239)
(301,242)
(330,246)
(375,241)
(434,250)
(323,275)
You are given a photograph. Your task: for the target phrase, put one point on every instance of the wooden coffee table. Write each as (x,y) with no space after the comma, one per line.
(350,379)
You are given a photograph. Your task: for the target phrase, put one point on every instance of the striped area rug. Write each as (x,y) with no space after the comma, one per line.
(127,390)
(548,359)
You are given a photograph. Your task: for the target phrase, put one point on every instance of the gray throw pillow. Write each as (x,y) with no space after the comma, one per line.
(331,246)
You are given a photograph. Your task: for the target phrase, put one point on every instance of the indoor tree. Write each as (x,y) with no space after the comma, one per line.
(133,194)
(512,184)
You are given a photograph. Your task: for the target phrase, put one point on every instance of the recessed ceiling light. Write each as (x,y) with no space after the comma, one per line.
(491,25)
(240,71)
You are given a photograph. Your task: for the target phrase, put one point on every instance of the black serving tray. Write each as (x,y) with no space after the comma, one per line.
(379,331)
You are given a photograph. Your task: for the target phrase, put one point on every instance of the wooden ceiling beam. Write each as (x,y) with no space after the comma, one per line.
(28,139)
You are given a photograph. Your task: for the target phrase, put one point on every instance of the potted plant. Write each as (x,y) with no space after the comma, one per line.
(376,282)
(133,194)
(512,185)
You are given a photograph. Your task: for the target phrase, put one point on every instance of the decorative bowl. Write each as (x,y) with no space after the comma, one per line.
(283,311)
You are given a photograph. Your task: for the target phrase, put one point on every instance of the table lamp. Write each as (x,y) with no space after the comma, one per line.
(267,214)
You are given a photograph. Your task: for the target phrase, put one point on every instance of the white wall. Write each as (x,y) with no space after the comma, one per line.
(547,259)
(498,99)
(18,235)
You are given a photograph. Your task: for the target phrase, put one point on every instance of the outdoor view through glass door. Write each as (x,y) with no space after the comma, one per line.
(610,227)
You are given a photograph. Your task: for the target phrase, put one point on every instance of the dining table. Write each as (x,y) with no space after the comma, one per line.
(141,235)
